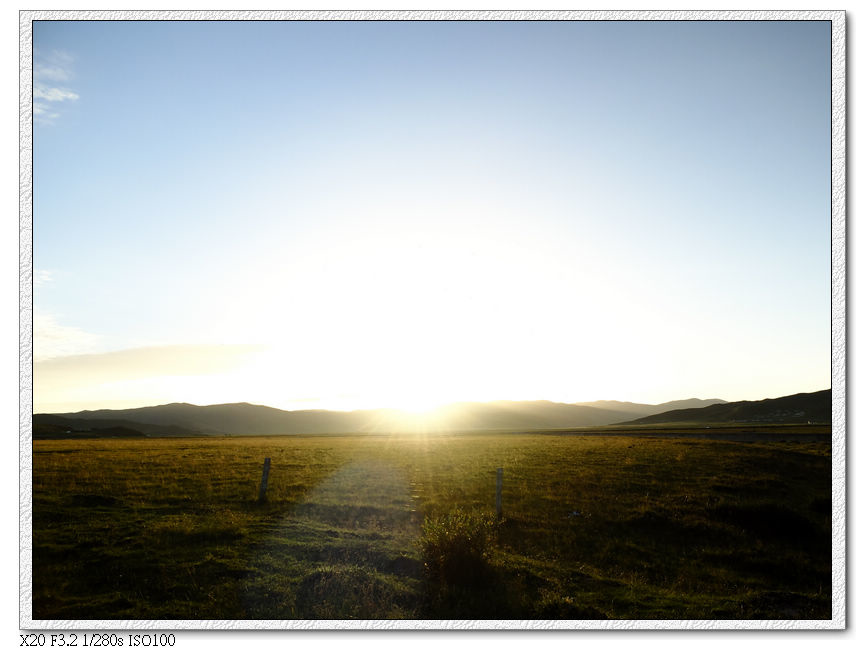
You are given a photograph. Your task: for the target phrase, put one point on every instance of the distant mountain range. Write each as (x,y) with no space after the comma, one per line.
(801,408)
(173,420)
(249,419)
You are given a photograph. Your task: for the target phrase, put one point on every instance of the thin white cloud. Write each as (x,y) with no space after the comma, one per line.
(52,340)
(155,361)
(49,69)
(41,277)
(138,376)
(54,94)
(44,116)
(54,66)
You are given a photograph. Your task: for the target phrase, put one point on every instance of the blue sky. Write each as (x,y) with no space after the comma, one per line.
(340,215)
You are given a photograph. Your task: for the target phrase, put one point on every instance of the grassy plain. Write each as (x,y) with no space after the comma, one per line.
(363,526)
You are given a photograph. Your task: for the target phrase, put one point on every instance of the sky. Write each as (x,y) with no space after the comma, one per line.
(365,214)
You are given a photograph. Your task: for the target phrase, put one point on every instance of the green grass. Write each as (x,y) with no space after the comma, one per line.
(404,527)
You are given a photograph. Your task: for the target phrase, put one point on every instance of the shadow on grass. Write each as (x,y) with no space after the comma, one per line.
(323,559)
(770,522)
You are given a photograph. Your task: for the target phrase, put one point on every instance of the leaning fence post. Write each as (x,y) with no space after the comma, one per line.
(262,491)
(499,492)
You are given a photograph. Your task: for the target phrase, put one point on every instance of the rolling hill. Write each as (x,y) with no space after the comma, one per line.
(793,409)
(651,409)
(46,426)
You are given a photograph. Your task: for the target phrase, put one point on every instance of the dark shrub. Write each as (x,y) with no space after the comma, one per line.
(455,547)
(769,521)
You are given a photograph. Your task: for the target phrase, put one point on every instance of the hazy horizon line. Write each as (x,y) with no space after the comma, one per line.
(440,407)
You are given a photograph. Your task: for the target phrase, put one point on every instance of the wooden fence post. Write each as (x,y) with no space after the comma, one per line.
(499,492)
(262,491)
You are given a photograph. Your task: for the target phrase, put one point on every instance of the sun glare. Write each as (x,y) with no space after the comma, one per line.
(418,396)
(419,405)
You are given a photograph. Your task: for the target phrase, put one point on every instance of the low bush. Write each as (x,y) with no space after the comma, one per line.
(456,546)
